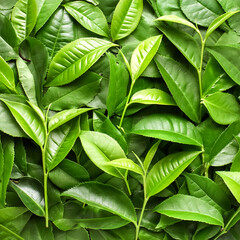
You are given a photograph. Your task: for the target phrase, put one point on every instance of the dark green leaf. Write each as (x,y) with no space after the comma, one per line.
(30,192)
(105,197)
(89,16)
(73,95)
(68,174)
(195,209)
(71,235)
(167,170)
(182,84)
(168,127)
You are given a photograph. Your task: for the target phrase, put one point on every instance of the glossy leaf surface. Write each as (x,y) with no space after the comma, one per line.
(125,18)
(75,58)
(182,84)
(94,195)
(167,170)
(30,192)
(195,210)
(89,16)
(143,55)
(168,127)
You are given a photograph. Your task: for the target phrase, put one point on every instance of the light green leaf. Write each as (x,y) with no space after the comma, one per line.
(30,192)
(225,147)
(152,96)
(206,189)
(89,16)
(6,233)
(101,149)
(183,85)
(190,208)
(167,170)
(28,120)
(222,107)
(64,116)
(48,7)
(185,43)
(151,153)
(127,164)
(168,127)
(218,22)
(105,197)
(60,142)
(24,17)
(143,55)
(8,214)
(6,75)
(206,11)
(227,56)
(6,164)
(74,59)
(126,17)
(232,180)
(176,19)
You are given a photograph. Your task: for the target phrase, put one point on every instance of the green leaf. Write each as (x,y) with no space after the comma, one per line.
(71,235)
(68,174)
(6,165)
(35,229)
(28,120)
(222,107)
(207,11)
(105,197)
(74,59)
(88,217)
(152,96)
(64,116)
(102,149)
(89,16)
(185,43)
(24,17)
(168,127)
(58,31)
(151,153)
(126,17)
(218,22)
(215,79)
(6,233)
(227,57)
(6,75)
(232,180)
(127,164)
(48,7)
(60,141)
(195,209)
(176,19)
(9,213)
(118,83)
(182,84)
(143,55)
(225,147)
(73,95)
(167,170)
(8,39)
(207,190)
(30,192)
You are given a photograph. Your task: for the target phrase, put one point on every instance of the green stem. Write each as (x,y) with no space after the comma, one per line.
(201,65)
(126,105)
(143,207)
(45,179)
(225,230)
